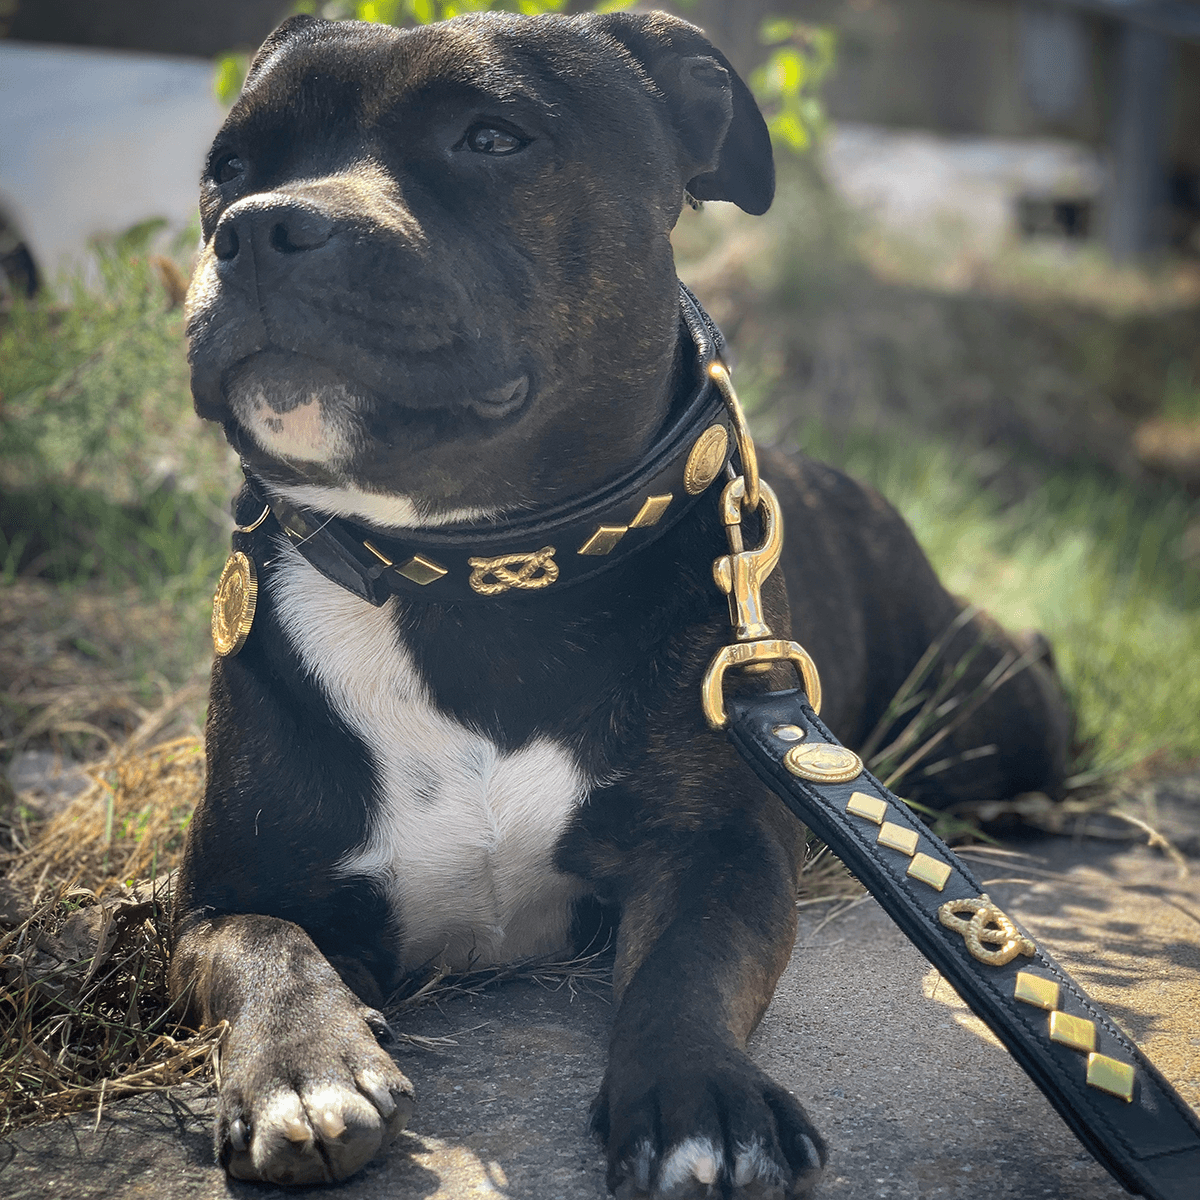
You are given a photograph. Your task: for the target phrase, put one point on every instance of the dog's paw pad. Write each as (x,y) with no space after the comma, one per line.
(727,1132)
(278,1145)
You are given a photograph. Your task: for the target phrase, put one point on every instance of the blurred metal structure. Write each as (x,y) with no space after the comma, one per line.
(1119,77)
(1145,64)
(1174,18)
(195,27)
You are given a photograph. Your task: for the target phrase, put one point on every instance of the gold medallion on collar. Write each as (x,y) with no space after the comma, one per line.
(823,763)
(705,460)
(233,604)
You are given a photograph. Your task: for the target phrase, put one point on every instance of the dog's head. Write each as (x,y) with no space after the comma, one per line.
(437,277)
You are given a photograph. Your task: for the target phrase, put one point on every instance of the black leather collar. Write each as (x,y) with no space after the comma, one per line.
(531,552)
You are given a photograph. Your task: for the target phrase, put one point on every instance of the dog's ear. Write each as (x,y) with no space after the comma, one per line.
(716,119)
(294,27)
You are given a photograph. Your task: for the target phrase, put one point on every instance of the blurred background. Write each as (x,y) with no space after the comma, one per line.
(979,289)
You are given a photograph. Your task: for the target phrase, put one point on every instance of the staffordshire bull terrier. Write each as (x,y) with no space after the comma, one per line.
(456,717)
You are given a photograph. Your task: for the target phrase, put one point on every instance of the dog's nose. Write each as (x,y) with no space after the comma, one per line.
(281,226)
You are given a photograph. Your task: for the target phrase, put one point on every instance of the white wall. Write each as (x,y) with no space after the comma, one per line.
(94,141)
(925,184)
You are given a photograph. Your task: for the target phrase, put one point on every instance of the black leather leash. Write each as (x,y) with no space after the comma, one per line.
(1111,1096)
(1118,1105)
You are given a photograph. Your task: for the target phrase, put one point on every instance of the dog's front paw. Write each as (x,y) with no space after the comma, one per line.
(705,1128)
(312,1109)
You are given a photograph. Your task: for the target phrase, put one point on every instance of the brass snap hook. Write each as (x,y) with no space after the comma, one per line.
(740,574)
(743,654)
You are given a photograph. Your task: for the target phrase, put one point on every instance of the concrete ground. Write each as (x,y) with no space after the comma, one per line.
(916,1098)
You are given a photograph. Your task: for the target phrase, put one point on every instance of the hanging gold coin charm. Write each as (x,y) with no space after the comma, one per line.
(233,604)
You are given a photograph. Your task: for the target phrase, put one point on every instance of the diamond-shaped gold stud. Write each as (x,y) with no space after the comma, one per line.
(604,539)
(870,808)
(651,512)
(383,558)
(896,837)
(1033,989)
(928,870)
(1110,1075)
(421,570)
(1076,1032)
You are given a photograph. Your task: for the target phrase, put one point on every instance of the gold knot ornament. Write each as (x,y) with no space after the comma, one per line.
(991,936)
(527,572)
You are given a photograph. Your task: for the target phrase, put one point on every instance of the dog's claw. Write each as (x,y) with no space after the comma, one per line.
(239,1136)
(329,1125)
(394,1104)
(296,1131)
(378,1024)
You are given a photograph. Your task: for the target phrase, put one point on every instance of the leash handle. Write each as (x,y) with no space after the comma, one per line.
(1107,1091)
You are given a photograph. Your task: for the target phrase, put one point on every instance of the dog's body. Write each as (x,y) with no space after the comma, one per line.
(442,258)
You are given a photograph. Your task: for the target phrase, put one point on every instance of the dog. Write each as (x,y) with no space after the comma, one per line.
(436,299)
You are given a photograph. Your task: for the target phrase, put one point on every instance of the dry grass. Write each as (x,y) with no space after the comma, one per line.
(84,935)
(129,824)
(84,1012)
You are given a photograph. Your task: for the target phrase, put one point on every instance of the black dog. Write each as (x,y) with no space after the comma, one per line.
(437,301)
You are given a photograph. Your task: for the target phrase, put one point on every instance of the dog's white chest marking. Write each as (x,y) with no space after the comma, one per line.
(462,834)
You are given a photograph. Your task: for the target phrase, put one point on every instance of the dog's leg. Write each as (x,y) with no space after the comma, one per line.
(708,922)
(307,1095)
(990,718)
(998,743)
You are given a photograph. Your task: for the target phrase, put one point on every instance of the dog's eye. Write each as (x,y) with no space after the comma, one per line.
(489,139)
(227,168)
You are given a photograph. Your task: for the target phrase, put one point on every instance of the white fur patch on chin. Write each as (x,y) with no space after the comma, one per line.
(314,431)
(386,511)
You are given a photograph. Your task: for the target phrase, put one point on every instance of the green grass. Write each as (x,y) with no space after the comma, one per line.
(994,403)
(1092,561)
(106,476)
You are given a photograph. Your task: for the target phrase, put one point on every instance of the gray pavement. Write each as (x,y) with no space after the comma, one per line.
(915,1096)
